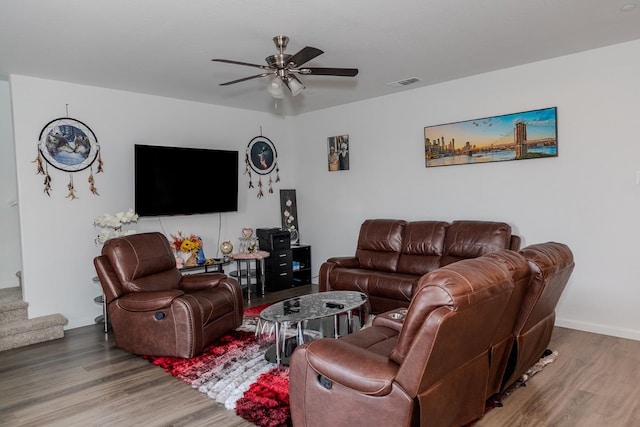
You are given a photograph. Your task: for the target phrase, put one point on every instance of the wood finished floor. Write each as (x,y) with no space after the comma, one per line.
(83,380)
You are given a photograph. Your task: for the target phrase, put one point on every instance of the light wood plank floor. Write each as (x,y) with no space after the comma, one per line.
(83,380)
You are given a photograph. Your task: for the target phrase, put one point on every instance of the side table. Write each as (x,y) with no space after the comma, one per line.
(100,300)
(210,266)
(257,256)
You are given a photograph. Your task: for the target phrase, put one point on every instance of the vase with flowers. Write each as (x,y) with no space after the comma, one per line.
(112,225)
(188,249)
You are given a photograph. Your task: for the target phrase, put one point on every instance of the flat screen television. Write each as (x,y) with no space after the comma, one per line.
(184,181)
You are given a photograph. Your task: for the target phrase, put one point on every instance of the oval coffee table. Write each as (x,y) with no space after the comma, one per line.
(308,307)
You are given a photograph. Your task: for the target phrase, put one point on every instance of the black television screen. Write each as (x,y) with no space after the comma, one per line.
(184,181)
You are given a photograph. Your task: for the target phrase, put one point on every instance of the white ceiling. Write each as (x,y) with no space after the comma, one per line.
(164,47)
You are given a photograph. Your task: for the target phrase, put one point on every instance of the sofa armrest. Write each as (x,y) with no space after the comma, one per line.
(196,282)
(148,301)
(393,319)
(353,367)
(345,262)
(324,282)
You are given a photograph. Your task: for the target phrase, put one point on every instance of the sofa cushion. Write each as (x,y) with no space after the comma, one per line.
(350,279)
(422,247)
(392,285)
(379,244)
(377,339)
(473,239)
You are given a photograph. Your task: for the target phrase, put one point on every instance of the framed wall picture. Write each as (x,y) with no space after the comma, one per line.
(518,136)
(261,155)
(338,153)
(68,145)
(289,214)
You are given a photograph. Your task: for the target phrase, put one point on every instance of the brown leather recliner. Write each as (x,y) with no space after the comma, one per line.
(503,339)
(431,369)
(551,265)
(155,310)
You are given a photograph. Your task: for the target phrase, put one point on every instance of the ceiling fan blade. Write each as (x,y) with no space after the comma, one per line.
(304,55)
(228,61)
(244,79)
(344,72)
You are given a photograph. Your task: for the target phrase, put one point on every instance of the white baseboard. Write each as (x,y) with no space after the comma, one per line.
(599,329)
(80,322)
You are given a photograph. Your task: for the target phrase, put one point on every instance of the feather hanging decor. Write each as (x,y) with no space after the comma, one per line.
(261,157)
(70,146)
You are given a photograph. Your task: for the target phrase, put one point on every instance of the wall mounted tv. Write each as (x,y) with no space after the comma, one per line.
(184,181)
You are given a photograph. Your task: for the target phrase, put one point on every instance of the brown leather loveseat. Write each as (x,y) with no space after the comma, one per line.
(392,255)
(472,328)
(153,308)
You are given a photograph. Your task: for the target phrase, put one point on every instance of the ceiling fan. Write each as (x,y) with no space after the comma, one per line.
(284,67)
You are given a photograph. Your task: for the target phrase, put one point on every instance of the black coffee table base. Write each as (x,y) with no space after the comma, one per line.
(290,344)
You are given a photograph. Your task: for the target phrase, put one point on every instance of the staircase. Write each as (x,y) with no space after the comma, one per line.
(17,330)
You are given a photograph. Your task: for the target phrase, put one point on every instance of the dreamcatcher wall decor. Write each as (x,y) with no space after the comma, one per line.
(70,146)
(262,158)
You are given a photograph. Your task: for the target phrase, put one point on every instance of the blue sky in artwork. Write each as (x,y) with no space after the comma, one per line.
(496,130)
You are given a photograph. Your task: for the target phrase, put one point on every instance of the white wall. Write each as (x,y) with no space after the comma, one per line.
(587,197)
(10,262)
(57,233)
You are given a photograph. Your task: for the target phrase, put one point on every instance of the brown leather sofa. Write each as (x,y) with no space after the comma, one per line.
(155,310)
(431,369)
(392,255)
(470,329)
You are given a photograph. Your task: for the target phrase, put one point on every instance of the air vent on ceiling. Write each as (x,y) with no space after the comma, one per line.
(404,82)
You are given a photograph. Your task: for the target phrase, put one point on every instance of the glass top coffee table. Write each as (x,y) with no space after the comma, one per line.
(308,307)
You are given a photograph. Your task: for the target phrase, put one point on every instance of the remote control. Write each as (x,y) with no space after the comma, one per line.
(334,305)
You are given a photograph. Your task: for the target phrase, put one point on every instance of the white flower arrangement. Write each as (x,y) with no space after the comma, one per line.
(112,225)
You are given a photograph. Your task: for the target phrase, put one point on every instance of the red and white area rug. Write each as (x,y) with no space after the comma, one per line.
(233,372)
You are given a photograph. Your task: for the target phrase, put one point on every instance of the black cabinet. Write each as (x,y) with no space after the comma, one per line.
(278,272)
(301,264)
(287,266)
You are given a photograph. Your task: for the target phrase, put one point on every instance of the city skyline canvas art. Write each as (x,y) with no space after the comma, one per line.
(518,136)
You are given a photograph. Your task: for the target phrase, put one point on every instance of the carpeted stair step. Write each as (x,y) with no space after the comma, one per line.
(10,294)
(25,332)
(11,311)
(12,308)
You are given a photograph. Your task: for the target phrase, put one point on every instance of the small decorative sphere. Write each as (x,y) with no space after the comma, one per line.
(226,247)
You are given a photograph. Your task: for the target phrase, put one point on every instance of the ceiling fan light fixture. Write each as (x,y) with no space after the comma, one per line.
(282,66)
(294,84)
(275,88)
